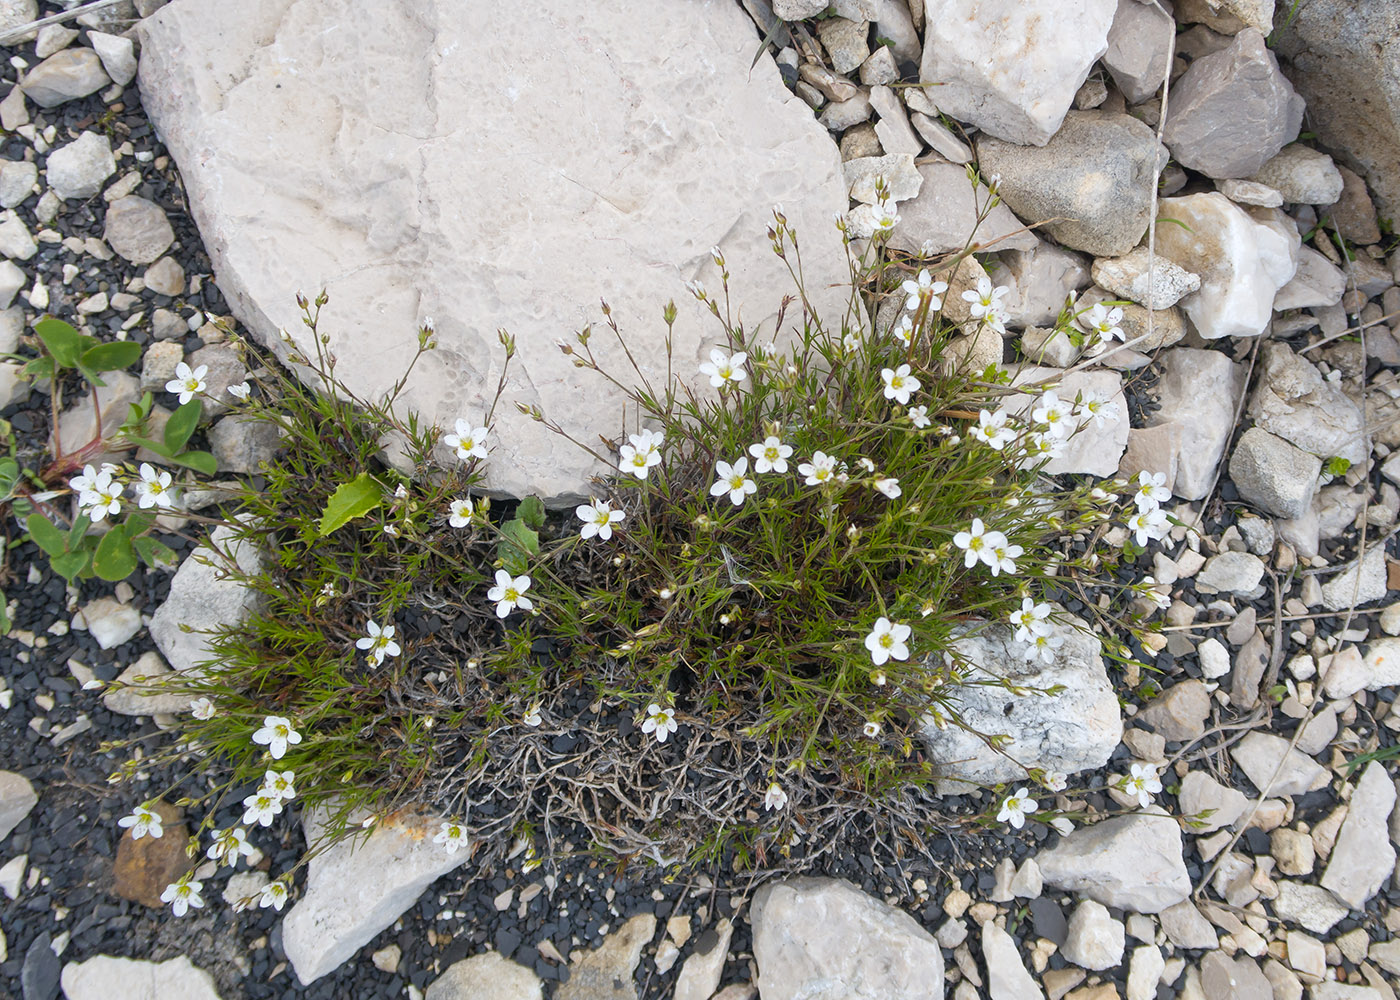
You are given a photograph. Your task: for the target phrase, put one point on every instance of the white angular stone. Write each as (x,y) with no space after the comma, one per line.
(104,977)
(1292,400)
(1201,794)
(17,179)
(1234,572)
(137,229)
(1316,282)
(64,76)
(1243,192)
(1131,862)
(943,216)
(1260,754)
(1308,906)
(1094,941)
(1127,277)
(1363,582)
(17,798)
(79,169)
(893,129)
(1007,978)
(1272,474)
(592,169)
(863,177)
(110,622)
(1137,49)
(700,975)
(1363,857)
(813,936)
(487,976)
(356,888)
(940,138)
(1145,968)
(1302,176)
(1012,67)
(15,239)
(117,53)
(1241,262)
(1094,449)
(139,690)
(1038,281)
(1214,658)
(203,598)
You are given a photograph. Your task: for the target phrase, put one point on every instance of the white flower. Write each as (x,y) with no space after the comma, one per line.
(1044,445)
(1152,490)
(878,678)
(871,729)
(1056,414)
(888,485)
(919,414)
(1148,525)
(723,368)
(819,470)
(509,593)
(240,390)
(775,797)
(1141,783)
(697,288)
(924,287)
(850,343)
(643,453)
(903,330)
(276,734)
(598,518)
(261,807)
(141,822)
(379,642)
(1043,647)
(104,498)
(186,383)
(734,480)
(1055,781)
(1096,409)
(888,641)
(1015,808)
(532,717)
(202,709)
(1103,322)
(469,442)
(661,721)
(1032,620)
(452,836)
(280,783)
(183,894)
(84,481)
(977,543)
(770,455)
(899,384)
(153,488)
(274,894)
(884,217)
(393,532)
(991,429)
(231,843)
(1004,554)
(986,301)
(460,513)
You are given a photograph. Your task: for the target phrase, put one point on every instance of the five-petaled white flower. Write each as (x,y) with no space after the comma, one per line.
(276,734)
(734,480)
(1151,491)
(978,543)
(770,455)
(903,330)
(469,442)
(924,287)
(1141,783)
(888,485)
(141,822)
(509,593)
(186,383)
(274,894)
(1055,781)
(899,384)
(775,797)
(991,429)
(888,641)
(240,390)
(231,843)
(532,717)
(183,894)
(103,498)
(452,836)
(871,729)
(1103,322)
(724,368)
(280,783)
(986,301)
(641,454)
(1043,646)
(1148,525)
(821,469)
(83,482)
(1015,808)
(202,709)
(660,721)
(884,216)
(1056,414)
(261,807)
(598,518)
(1031,620)
(379,642)
(919,415)
(1004,555)
(460,513)
(153,489)
(1094,408)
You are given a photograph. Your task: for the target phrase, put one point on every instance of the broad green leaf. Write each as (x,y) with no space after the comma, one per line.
(351,500)
(114,559)
(182,424)
(112,356)
(90,374)
(531,511)
(46,535)
(138,522)
(200,461)
(519,541)
(153,553)
(70,564)
(81,523)
(61,341)
(39,368)
(156,446)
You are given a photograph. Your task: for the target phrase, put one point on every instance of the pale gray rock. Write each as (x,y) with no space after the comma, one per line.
(940,138)
(1073,731)
(109,622)
(703,968)
(1260,754)
(1094,449)
(52,38)
(1131,862)
(1243,192)
(1361,583)
(1250,664)
(895,22)
(14,388)
(1316,282)
(1012,67)
(1145,969)
(824,938)
(1185,927)
(845,42)
(242,443)
(799,10)
(166,277)
(838,116)
(864,176)
(1381,664)
(358,887)
(1007,978)
(79,169)
(880,68)
(606,972)
(413,198)
(1231,572)
(117,53)
(1239,978)
(1043,346)
(1302,176)
(1093,179)
(1273,475)
(1186,437)
(1094,941)
(159,363)
(943,216)
(1137,49)
(1333,990)
(1129,277)
(12,280)
(1241,261)
(77,425)
(1308,906)
(64,76)
(1201,794)
(137,229)
(15,239)
(16,14)
(1038,281)
(1293,401)
(140,689)
(203,597)
(1180,712)
(13,111)
(487,976)
(893,129)
(17,799)
(17,179)
(1363,857)
(105,977)
(1232,111)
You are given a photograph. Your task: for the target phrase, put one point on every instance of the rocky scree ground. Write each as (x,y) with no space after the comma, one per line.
(1273,354)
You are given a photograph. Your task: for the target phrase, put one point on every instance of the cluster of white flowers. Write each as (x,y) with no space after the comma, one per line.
(990,547)
(1034,630)
(1149,522)
(985,303)
(100,491)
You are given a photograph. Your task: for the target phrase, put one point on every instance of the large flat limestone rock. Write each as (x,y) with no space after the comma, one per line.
(489,166)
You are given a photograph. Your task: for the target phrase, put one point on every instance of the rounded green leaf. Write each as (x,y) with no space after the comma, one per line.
(112,356)
(114,559)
